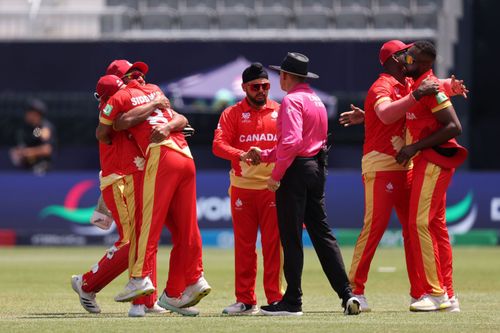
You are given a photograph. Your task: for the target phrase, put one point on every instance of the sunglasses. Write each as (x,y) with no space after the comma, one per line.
(134,75)
(257,86)
(409,59)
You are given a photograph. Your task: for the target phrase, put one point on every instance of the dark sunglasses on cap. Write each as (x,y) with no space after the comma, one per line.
(257,86)
(134,75)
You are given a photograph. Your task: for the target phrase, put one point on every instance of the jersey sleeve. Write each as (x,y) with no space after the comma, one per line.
(382,92)
(438,101)
(224,136)
(111,110)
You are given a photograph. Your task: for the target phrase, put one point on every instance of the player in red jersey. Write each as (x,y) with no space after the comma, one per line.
(121,166)
(386,182)
(251,123)
(167,162)
(432,126)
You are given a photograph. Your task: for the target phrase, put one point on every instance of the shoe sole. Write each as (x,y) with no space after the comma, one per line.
(183,311)
(197,298)
(244,313)
(415,309)
(352,309)
(82,300)
(134,295)
(280,313)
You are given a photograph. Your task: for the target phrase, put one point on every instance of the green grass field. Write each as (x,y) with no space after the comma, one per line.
(36,295)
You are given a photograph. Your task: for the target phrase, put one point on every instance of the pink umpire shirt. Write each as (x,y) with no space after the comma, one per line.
(302,127)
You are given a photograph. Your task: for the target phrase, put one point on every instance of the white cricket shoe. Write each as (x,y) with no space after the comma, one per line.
(363,303)
(172,304)
(87,300)
(137,310)
(136,287)
(155,309)
(352,306)
(194,293)
(241,309)
(455,305)
(431,303)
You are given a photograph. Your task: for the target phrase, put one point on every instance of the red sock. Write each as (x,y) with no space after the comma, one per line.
(114,262)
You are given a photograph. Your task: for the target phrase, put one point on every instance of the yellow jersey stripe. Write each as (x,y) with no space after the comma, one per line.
(359,249)
(427,247)
(147,208)
(441,106)
(380,100)
(105,121)
(122,209)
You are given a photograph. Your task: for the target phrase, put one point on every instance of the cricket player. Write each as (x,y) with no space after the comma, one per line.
(386,182)
(168,196)
(121,167)
(432,126)
(251,123)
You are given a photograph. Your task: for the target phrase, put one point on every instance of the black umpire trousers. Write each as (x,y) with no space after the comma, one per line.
(301,199)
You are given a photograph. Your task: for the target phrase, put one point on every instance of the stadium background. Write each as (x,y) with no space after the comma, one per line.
(56,50)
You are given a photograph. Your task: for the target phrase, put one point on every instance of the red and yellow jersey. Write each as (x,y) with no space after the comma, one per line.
(123,157)
(420,119)
(135,95)
(241,127)
(382,142)
(421,123)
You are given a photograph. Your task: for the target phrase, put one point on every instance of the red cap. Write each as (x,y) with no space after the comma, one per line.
(447,162)
(391,47)
(120,67)
(108,85)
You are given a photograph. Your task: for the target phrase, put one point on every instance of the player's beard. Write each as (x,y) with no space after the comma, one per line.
(256,101)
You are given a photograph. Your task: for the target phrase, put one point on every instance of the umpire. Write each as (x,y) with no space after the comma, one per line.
(299,181)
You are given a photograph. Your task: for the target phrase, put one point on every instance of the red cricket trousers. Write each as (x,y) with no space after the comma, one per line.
(427,224)
(168,198)
(252,210)
(120,198)
(384,190)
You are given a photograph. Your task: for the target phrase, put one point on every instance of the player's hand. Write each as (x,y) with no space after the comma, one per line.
(160,133)
(354,117)
(458,87)
(405,154)
(427,87)
(272,185)
(252,156)
(161,102)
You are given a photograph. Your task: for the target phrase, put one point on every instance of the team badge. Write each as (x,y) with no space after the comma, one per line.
(107,110)
(441,97)
(274,114)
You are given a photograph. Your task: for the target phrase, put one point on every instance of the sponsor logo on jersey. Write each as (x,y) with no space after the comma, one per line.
(268,137)
(410,116)
(107,109)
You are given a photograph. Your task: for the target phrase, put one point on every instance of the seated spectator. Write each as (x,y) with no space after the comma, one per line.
(35,140)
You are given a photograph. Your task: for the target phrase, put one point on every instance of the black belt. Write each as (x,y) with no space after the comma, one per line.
(306,158)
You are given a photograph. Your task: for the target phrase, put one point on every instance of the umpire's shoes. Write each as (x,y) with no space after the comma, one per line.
(352,306)
(281,308)
(136,287)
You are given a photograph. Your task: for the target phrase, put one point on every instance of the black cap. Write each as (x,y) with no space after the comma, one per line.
(36,105)
(253,72)
(296,64)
